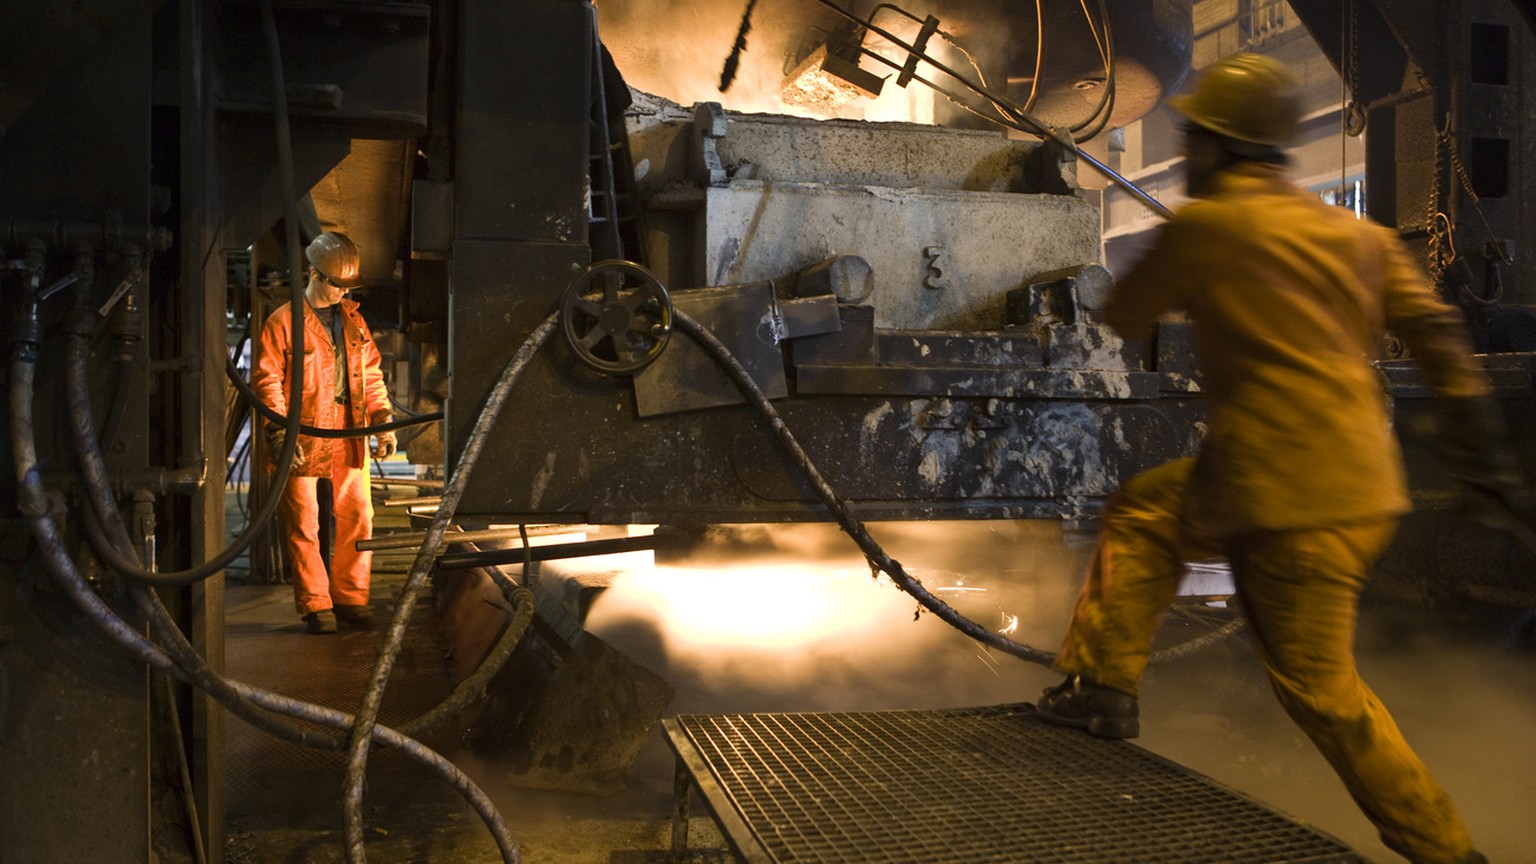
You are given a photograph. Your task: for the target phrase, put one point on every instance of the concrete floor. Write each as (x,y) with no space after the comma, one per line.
(832,639)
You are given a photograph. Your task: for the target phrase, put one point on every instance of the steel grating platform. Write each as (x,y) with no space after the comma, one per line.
(990,784)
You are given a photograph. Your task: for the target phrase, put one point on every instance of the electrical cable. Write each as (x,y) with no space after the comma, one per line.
(1034,83)
(232,372)
(373,694)
(401,409)
(1106,44)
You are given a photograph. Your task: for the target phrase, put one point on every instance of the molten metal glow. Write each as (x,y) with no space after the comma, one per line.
(782,606)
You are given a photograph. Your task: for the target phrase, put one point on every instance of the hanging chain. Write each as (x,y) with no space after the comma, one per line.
(1437,226)
(1354,111)
(1442,246)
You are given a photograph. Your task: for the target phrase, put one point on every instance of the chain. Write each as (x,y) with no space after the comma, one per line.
(1437,226)
(1354,111)
(1442,246)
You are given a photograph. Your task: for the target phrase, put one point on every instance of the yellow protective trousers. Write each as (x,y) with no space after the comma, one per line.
(1300,591)
(347,583)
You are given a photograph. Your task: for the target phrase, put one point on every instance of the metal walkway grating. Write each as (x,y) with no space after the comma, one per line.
(992,784)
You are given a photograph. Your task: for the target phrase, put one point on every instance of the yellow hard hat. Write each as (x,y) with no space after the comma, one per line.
(1249,97)
(336,257)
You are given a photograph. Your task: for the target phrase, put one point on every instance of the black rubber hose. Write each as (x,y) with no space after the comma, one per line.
(93,472)
(291,232)
(233,373)
(32,501)
(840,510)
(373,696)
(122,381)
(855,529)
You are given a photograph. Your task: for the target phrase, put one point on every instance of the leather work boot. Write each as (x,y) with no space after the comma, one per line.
(323,621)
(358,617)
(1082,704)
(1474,857)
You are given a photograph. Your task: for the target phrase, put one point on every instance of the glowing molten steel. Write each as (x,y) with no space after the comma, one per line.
(778,605)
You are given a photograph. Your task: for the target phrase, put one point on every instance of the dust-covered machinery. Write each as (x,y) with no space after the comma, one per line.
(921,302)
(918,300)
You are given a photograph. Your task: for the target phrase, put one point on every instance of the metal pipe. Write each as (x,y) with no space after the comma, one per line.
(412,539)
(103,235)
(554,551)
(412,502)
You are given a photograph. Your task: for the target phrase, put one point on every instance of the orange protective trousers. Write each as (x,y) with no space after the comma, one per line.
(347,583)
(1300,591)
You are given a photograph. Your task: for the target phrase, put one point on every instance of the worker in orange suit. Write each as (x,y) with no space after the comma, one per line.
(1299,482)
(343,389)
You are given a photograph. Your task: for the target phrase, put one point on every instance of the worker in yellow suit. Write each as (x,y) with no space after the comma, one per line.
(343,389)
(1299,482)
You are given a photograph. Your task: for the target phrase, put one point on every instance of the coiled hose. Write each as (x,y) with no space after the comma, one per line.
(186,665)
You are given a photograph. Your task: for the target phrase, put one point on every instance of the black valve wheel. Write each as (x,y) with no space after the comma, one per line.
(617,317)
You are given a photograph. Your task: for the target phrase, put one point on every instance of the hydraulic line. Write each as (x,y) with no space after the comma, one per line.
(373,696)
(877,556)
(33,504)
(93,471)
(188,666)
(839,509)
(233,373)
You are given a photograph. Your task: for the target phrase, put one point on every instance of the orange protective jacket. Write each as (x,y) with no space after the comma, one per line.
(1291,300)
(365,382)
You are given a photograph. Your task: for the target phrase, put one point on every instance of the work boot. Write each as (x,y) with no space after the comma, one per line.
(321,621)
(359,617)
(1082,704)
(1474,857)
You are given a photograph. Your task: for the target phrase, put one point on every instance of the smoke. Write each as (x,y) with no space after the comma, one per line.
(677,49)
(766,618)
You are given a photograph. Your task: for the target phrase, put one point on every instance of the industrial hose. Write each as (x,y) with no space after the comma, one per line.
(855,529)
(32,501)
(232,372)
(93,471)
(373,696)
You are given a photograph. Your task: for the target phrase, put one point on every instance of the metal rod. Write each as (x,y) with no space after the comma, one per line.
(413,539)
(493,557)
(411,502)
(1036,126)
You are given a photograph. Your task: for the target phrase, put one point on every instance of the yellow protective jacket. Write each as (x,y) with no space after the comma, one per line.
(1290,301)
(365,382)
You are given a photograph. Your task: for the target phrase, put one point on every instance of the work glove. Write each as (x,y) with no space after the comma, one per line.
(385,441)
(275,439)
(1475,444)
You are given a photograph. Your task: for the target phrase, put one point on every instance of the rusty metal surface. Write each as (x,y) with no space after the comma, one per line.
(971,784)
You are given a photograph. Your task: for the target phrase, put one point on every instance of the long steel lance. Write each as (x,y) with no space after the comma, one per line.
(1035,125)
